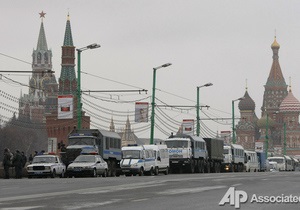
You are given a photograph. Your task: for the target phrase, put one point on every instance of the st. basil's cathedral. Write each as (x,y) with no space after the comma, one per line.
(278,127)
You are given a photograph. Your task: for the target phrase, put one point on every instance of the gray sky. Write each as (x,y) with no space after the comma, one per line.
(222,42)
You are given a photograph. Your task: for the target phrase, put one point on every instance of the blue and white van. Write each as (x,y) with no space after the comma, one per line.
(162,162)
(137,160)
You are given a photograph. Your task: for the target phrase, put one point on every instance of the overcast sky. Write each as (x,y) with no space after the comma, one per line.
(222,42)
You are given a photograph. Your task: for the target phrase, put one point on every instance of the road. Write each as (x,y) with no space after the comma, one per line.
(174,191)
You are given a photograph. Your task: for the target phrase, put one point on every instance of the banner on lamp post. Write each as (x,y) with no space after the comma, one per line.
(188,126)
(65,107)
(141,111)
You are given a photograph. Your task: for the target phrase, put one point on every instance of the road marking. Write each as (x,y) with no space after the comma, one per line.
(91,205)
(238,184)
(86,191)
(117,188)
(138,200)
(190,190)
(22,208)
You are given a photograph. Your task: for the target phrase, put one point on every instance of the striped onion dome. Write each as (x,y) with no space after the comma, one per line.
(290,104)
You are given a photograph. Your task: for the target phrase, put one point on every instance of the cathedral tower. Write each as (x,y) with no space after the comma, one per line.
(246,129)
(275,92)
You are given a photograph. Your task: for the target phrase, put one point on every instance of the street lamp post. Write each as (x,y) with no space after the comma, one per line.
(233,126)
(153,100)
(284,138)
(267,137)
(79,114)
(198,106)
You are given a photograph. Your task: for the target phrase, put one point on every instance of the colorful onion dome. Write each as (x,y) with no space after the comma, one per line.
(262,122)
(290,104)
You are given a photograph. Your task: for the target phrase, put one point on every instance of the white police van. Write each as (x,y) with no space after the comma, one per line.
(162,162)
(251,161)
(137,160)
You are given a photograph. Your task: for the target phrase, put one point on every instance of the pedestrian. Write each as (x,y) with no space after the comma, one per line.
(24,160)
(7,162)
(30,159)
(18,163)
(35,153)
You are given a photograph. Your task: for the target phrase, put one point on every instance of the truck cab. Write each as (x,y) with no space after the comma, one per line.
(187,153)
(234,158)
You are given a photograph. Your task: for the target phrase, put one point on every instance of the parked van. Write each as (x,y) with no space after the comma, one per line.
(273,166)
(162,162)
(251,161)
(281,162)
(289,163)
(137,160)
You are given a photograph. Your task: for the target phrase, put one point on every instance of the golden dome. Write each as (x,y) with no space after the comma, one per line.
(275,44)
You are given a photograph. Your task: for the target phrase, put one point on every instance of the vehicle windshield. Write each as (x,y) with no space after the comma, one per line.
(82,141)
(85,158)
(42,159)
(225,151)
(277,160)
(176,143)
(132,154)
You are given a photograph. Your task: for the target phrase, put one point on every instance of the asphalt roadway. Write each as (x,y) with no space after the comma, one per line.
(173,191)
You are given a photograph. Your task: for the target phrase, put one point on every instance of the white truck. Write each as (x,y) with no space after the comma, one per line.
(234,158)
(137,160)
(187,153)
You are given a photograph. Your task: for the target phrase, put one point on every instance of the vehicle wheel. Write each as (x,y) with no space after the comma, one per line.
(167,171)
(53,175)
(156,172)
(94,174)
(141,173)
(113,169)
(201,166)
(105,173)
(62,174)
(29,177)
(208,167)
(151,172)
(192,167)
(109,165)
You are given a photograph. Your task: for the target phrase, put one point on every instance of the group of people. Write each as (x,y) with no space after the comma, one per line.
(17,160)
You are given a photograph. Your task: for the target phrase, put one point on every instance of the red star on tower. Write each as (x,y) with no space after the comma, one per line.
(42,14)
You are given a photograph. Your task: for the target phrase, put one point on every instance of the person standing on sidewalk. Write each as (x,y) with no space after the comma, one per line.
(18,163)
(7,162)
